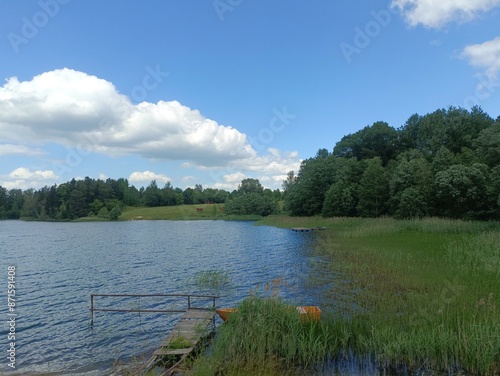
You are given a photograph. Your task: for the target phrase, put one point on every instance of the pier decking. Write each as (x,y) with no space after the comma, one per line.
(196,323)
(308,229)
(183,338)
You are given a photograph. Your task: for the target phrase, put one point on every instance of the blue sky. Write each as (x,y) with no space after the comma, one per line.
(212,92)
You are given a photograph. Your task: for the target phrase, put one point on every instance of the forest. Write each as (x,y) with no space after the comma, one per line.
(106,199)
(445,163)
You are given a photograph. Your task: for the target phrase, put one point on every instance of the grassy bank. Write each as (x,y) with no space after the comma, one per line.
(420,293)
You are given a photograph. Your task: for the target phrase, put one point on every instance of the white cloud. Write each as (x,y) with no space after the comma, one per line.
(83,112)
(234,178)
(229,182)
(10,149)
(102,177)
(485,56)
(147,176)
(79,110)
(437,13)
(24,178)
(189,179)
(270,169)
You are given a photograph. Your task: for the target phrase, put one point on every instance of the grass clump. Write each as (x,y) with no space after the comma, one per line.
(180,342)
(265,336)
(212,280)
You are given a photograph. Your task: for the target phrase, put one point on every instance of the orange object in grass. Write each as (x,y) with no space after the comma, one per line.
(225,312)
(309,313)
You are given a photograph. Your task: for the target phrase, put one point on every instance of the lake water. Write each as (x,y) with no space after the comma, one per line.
(58,266)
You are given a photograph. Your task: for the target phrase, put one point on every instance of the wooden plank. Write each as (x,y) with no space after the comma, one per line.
(197,314)
(173,351)
(192,325)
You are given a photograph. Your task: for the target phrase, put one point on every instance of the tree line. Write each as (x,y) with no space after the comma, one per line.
(106,199)
(445,163)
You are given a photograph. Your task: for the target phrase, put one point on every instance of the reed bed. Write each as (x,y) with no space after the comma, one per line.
(266,336)
(418,295)
(426,292)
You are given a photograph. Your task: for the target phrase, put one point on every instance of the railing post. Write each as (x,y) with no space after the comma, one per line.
(91,309)
(189,301)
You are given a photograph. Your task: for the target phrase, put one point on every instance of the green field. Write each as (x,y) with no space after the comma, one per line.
(418,293)
(181,212)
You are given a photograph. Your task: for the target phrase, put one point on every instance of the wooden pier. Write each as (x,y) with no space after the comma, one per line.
(194,325)
(307,229)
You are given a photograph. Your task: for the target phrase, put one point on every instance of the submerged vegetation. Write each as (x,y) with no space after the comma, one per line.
(420,294)
(212,281)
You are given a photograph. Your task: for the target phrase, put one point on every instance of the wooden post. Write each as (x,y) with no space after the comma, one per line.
(91,309)
(189,301)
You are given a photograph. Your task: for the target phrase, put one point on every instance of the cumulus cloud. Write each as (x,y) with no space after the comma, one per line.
(485,56)
(275,162)
(229,182)
(270,169)
(80,110)
(85,113)
(437,13)
(146,177)
(10,149)
(24,178)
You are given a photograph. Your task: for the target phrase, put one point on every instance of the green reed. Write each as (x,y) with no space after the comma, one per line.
(419,293)
(424,290)
(265,336)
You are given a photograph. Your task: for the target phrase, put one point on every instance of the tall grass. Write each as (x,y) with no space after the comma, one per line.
(265,336)
(417,294)
(426,292)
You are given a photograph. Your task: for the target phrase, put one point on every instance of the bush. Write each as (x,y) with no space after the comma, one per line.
(115,213)
(250,204)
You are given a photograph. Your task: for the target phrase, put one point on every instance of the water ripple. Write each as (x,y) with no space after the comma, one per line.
(58,266)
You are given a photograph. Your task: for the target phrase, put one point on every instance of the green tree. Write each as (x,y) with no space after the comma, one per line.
(373,190)
(250,185)
(378,140)
(288,183)
(252,203)
(76,204)
(462,191)
(487,145)
(307,195)
(411,186)
(31,208)
(115,213)
(103,212)
(132,196)
(340,200)
(152,195)
(342,196)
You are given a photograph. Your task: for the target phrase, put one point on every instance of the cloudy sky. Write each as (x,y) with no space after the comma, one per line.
(212,92)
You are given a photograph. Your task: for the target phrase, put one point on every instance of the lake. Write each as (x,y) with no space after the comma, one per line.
(58,266)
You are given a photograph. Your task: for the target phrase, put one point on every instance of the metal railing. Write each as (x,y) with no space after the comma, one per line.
(188,296)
